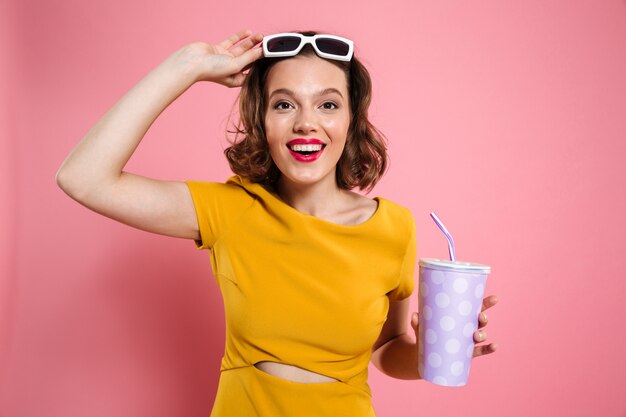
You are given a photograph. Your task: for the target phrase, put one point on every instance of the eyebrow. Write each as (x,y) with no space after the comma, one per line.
(291,93)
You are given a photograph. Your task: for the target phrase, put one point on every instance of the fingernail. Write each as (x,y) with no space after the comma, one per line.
(484,317)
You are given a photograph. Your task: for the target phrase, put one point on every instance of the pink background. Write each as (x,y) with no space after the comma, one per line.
(506,117)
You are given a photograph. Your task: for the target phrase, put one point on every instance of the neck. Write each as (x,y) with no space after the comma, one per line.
(313,199)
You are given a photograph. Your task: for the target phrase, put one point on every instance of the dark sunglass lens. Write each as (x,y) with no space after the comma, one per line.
(283,44)
(333,46)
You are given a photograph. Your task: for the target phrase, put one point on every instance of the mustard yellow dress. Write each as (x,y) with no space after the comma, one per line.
(302,291)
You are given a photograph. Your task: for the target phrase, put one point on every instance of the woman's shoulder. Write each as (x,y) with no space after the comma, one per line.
(396,216)
(232,190)
(396,208)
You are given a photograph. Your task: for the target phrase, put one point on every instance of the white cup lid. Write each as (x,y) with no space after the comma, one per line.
(455,265)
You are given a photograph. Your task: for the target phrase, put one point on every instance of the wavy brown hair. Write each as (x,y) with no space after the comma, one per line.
(364,159)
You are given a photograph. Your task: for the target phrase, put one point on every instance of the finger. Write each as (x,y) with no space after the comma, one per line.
(482,320)
(244,60)
(480,336)
(246,44)
(233,39)
(485,349)
(489,302)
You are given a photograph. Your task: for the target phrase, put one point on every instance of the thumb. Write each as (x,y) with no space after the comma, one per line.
(235,80)
(415,321)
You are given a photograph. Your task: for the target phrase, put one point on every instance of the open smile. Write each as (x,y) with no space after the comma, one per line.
(306,150)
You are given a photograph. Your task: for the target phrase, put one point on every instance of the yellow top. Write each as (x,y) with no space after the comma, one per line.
(297,289)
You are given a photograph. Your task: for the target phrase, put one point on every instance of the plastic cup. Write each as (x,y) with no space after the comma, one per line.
(450,300)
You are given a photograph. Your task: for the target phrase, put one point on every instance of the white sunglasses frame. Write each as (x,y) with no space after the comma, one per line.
(308,40)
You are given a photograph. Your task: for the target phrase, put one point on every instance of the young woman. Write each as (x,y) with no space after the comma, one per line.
(315,278)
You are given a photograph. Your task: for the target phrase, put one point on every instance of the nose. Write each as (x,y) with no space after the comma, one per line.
(305,121)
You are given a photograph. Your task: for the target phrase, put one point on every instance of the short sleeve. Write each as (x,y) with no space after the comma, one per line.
(217,206)
(406,281)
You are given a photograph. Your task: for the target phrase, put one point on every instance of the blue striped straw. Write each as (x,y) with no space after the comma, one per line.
(448,236)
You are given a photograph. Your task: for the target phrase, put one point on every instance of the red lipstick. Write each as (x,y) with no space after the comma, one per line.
(306,150)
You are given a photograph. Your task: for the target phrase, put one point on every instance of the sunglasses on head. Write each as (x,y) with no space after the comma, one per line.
(290,44)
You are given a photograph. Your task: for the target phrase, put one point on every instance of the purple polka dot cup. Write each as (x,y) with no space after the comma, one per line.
(450,300)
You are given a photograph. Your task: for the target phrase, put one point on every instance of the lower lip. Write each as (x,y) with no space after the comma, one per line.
(306,158)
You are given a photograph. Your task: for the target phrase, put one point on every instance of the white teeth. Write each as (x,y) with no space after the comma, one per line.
(306,148)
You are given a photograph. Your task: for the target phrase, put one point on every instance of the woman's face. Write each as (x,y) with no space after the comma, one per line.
(307,117)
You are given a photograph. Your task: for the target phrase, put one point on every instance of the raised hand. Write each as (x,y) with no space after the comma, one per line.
(224,62)
(94,173)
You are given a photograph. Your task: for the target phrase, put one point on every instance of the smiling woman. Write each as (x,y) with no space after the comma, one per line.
(363,161)
(300,116)
(299,336)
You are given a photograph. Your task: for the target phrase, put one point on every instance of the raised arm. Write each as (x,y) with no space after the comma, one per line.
(93,174)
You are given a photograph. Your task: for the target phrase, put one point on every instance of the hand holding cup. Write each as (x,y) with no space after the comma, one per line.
(451,313)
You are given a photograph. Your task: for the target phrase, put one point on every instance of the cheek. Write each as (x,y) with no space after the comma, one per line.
(274,134)
(275,126)
(270,130)
(338,127)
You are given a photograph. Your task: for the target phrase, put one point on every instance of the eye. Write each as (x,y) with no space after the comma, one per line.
(329,105)
(282,105)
